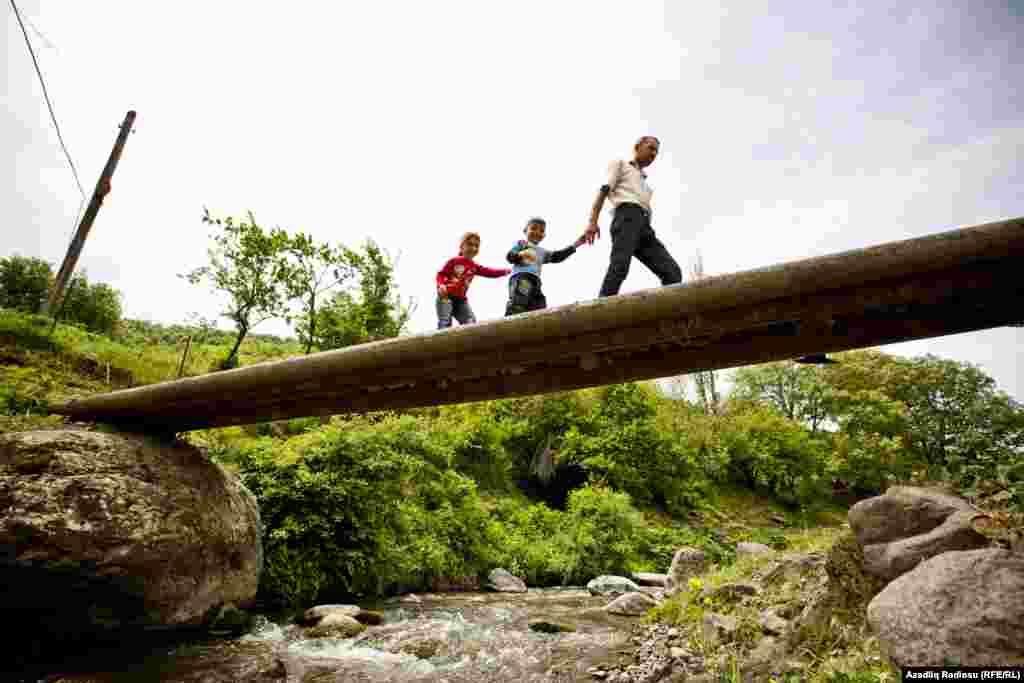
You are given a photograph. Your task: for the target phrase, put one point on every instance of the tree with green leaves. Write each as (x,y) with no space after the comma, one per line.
(97,306)
(375,311)
(317,268)
(796,391)
(24,283)
(250,265)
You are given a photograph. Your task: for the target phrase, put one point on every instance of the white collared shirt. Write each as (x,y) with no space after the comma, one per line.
(627,183)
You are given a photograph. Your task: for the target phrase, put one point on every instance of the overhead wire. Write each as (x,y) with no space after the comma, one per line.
(49,104)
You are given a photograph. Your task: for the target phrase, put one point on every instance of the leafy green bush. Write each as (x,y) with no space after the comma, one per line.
(775,454)
(605,529)
(362,510)
(24,283)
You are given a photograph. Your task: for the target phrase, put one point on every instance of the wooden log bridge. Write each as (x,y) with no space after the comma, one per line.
(946,283)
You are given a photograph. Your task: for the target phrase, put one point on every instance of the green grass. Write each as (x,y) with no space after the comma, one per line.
(148,363)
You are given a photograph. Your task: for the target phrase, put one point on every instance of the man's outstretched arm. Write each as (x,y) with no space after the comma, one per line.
(593,229)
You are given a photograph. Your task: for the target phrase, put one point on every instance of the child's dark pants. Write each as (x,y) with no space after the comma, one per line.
(524,294)
(632,235)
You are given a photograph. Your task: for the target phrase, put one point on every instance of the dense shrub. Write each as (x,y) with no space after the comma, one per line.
(364,509)
(24,283)
(770,452)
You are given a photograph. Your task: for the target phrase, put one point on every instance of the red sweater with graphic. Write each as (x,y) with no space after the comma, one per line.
(458,273)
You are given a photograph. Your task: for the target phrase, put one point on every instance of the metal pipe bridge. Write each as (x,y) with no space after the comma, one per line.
(946,283)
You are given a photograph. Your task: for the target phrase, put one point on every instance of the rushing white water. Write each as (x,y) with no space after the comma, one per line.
(449,638)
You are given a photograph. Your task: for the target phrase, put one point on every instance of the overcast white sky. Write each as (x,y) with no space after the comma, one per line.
(789,130)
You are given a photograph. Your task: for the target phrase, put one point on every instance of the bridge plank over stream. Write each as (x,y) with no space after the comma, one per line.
(946,283)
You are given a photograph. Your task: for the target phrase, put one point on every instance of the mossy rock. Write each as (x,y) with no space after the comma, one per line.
(370,617)
(551,627)
(336,626)
(229,619)
(424,648)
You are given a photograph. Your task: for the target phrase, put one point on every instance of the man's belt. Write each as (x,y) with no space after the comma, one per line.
(634,205)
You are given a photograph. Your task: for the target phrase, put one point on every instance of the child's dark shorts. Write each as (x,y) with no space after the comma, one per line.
(524,294)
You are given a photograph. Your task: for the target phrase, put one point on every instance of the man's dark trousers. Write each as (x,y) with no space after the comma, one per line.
(632,235)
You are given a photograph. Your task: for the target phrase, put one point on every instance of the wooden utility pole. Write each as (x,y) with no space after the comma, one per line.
(188,345)
(102,188)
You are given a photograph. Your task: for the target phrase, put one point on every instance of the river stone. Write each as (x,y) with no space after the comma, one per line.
(964,605)
(748,549)
(889,560)
(901,512)
(551,627)
(632,604)
(686,563)
(107,530)
(315,614)
(423,648)
(505,582)
(791,568)
(611,585)
(649,579)
(335,625)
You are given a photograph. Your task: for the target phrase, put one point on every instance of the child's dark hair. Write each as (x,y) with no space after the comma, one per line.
(536,219)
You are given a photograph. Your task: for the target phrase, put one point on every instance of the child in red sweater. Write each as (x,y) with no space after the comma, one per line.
(453,282)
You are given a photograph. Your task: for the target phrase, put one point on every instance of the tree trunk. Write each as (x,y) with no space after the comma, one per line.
(311,330)
(242,331)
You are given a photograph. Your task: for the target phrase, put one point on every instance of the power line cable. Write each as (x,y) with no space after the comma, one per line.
(49,105)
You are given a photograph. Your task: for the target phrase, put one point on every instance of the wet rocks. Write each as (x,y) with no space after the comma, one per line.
(110,530)
(611,585)
(503,581)
(686,563)
(551,627)
(965,605)
(315,615)
(423,648)
(632,604)
(335,625)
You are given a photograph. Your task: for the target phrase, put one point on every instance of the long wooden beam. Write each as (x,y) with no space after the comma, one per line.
(950,282)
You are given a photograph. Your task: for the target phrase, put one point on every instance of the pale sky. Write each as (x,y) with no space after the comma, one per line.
(789,130)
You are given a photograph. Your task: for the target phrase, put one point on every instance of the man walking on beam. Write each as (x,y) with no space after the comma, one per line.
(632,235)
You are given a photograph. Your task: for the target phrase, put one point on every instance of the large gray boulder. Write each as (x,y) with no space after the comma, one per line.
(906,525)
(100,531)
(611,585)
(503,581)
(967,606)
(631,604)
(901,512)
(890,560)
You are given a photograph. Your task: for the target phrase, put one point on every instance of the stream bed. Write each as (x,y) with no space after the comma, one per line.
(447,638)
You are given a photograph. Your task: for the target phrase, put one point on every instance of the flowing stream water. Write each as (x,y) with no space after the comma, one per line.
(447,638)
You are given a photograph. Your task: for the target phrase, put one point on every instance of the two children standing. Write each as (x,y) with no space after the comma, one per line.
(524,287)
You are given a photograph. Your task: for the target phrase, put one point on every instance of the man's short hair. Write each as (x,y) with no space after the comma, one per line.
(644,139)
(536,219)
(468,236)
